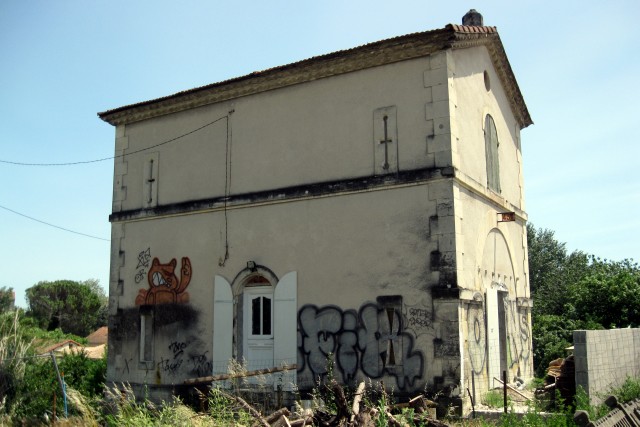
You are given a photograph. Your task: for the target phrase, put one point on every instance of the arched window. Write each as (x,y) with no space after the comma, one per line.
(491,145)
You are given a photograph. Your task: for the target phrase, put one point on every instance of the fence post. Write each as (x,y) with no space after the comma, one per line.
(504,387)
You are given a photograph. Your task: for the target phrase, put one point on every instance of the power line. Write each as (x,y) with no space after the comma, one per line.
(52,225)
(84,162)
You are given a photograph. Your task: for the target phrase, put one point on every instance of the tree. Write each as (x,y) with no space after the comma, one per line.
(65,304)
(6,299)
(103,312)
(575,291)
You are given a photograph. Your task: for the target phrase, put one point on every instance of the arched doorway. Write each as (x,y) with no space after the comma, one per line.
(255,322)
(497,276)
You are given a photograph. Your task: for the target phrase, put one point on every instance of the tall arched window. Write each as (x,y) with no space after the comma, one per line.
(491,145)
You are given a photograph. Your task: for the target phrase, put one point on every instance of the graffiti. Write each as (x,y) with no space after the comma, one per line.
(518,330)
(143,263)
(201,365)
(477,338)
(447,345)
(143,258)
(177,348)
(126,365)
(140,276)
(446,348)
(419,318)
(164,286)
(170,366)
(372,340)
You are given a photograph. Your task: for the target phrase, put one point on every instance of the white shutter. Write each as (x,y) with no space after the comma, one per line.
(285,328)
(222,325)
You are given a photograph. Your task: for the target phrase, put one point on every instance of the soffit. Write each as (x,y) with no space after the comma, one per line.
(375,54)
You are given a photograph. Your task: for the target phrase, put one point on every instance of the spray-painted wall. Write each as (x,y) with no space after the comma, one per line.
(354,185)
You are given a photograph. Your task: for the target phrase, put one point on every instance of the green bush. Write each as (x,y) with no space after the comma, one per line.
(40,383)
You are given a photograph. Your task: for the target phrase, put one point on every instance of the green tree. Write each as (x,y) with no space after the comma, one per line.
(6,299)
(103,312)
(575,291)
(71,306)
(609,294)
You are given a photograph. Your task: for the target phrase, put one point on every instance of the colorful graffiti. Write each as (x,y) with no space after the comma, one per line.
(164,286)
(373,340)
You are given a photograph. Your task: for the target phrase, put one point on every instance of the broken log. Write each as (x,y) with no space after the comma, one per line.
(355,407)
(340,400)
(273,417)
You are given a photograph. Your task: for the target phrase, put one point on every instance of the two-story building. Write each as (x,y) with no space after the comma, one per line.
(364,206)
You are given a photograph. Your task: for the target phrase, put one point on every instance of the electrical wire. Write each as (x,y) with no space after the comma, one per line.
(52,225)
(84,162)
(38,356)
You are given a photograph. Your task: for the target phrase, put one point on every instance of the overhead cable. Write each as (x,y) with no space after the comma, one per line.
(52,225)
(114,157)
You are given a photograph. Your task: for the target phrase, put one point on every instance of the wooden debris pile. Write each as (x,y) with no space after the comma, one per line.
(560,377)
(359,412)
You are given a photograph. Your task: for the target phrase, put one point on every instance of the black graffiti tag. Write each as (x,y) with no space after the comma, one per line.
(373,340)
(170,366)
(177,347)
(144,257)
(201,364)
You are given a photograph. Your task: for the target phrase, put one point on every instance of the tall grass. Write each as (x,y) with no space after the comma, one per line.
(14,349)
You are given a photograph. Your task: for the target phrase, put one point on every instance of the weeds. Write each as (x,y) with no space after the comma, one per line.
(494,399)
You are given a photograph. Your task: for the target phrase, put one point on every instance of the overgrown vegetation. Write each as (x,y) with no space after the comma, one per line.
(571,291)
(576,291)
(28,380)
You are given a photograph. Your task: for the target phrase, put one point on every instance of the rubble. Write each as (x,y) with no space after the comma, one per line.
(560,377)
(360,412)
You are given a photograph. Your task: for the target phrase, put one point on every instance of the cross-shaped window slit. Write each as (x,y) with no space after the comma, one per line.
(151,180)
(386,141)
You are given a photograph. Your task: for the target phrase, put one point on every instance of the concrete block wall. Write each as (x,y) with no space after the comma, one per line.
(604,359)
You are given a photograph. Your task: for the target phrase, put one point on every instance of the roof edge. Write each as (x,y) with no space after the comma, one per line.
(370,55)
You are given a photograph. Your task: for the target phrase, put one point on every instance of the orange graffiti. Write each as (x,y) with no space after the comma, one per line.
(164,286)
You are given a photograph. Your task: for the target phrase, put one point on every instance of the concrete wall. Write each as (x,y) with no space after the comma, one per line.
(604,359)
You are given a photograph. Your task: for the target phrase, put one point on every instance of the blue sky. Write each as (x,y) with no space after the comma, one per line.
(63,61)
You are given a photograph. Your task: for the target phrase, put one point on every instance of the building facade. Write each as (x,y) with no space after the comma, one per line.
(348,207)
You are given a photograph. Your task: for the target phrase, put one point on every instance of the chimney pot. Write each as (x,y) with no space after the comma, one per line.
(473,18)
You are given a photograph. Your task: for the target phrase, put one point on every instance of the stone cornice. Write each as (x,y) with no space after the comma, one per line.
(359,58)
(288,194)
(474,187)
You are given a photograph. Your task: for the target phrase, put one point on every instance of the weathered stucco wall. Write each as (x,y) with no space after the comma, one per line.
(321,131)
(492,266)
(473,102)
(355,256)
(366,190)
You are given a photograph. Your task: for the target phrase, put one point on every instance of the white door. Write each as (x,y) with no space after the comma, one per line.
(258,327)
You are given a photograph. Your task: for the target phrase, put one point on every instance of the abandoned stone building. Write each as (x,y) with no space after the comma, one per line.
(364,206)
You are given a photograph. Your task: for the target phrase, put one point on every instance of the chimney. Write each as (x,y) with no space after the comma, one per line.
(472,18)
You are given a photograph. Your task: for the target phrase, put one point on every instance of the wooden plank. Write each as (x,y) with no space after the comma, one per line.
(223,377)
